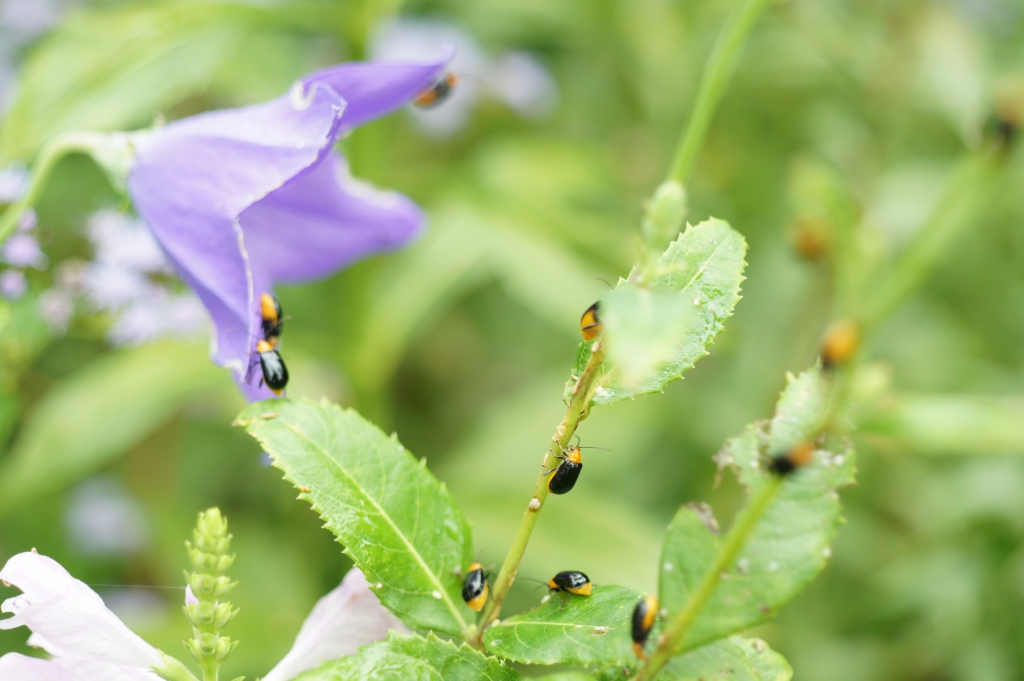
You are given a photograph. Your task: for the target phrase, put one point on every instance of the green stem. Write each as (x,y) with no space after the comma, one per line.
(579,406)
(672,640)
(716,76)
(45,162)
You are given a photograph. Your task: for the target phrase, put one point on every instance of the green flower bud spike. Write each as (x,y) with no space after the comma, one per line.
(208,615)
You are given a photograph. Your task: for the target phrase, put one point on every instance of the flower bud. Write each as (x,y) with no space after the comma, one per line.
(192,646)
(222,648)
(224,563)
(664,215)
(222,615)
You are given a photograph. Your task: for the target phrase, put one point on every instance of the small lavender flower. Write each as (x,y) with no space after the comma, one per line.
(13,284)
(120,240)
(243,199)
(22,250)
(517,78)
(28,220)
(112,287)
(523,82)
(56,307)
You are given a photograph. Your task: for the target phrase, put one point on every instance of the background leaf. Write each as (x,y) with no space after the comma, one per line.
(103,410)
(397,522)
(120,68)
(949,424)
(703,266)
(787,546)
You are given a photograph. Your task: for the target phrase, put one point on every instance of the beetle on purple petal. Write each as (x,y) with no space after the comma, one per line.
(242,199)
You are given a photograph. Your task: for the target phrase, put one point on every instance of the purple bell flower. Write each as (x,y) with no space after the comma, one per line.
(242,199)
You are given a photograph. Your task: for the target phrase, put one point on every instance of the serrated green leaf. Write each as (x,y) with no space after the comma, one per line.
(704,266)
(99,413)
(787,545)
(579,630)
(373,664)
(453,663)
(397,521)
(642,329)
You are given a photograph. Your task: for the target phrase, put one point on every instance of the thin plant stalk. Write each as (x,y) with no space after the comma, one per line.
(579,406)
(716,76)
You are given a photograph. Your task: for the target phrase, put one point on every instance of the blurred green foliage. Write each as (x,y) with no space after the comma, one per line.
(837,134)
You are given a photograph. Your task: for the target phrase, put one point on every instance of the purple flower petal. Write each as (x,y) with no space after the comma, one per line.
(243,198)
(375,89)
(322,222)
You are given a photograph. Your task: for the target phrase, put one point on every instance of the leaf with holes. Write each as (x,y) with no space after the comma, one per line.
(397,521)
(703,268)
(787,544)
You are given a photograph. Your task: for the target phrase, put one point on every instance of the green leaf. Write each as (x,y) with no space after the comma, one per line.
(704,267)
(427,658)
(453,663)
(733,659)
(99,413)
(578,630)
(642,329)
(787,545)
(397,521)
(769,665)
(373,664)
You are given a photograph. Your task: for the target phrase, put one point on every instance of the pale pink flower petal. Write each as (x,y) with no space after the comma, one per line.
(69,615)
(15,667)
(88,669)
(341,622)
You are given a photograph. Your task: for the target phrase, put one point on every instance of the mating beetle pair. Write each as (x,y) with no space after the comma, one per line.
(475,588)
(275,373)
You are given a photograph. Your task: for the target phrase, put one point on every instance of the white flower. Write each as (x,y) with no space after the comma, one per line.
(87,642)
(70,620)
